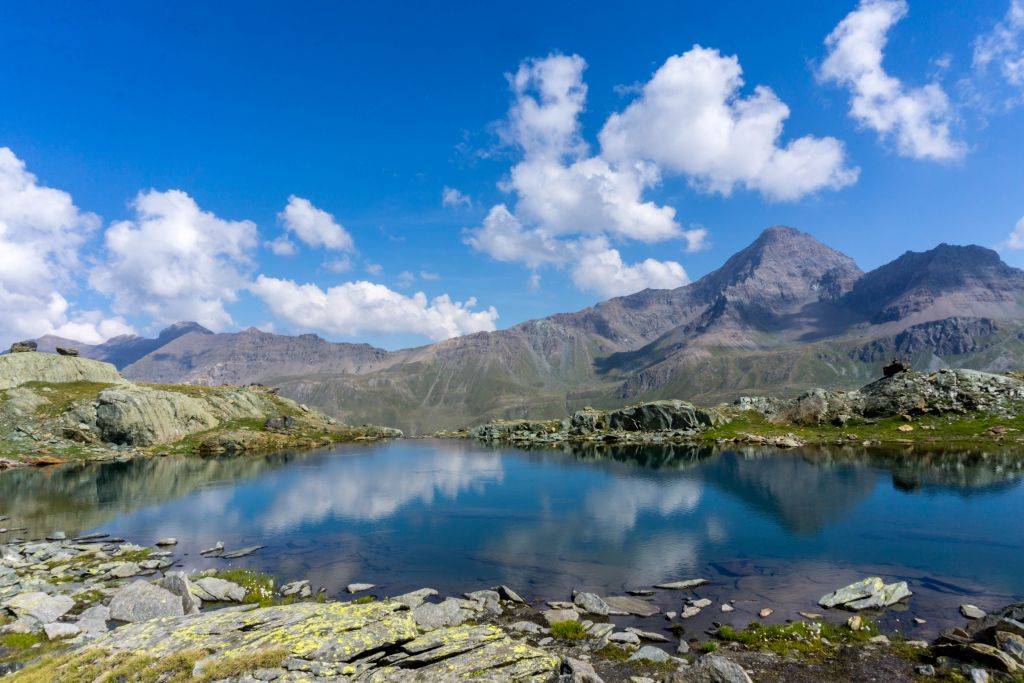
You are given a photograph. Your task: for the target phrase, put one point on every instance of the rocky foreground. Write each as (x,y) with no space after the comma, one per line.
(96,608)
(55,408)
(947,406)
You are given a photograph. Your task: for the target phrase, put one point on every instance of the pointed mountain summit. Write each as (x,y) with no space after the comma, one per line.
(783,268)
(172,332)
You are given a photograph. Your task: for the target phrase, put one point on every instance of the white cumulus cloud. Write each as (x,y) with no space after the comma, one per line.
(1003,46)
(314,226)
(1015,240)
(281,246)
(920,119)
(696,239)
(452,197)
(690,119)
(174,261)
(601,269)
(364,307)
(41,234)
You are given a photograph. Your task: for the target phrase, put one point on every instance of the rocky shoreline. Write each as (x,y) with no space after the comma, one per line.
(903,408)
(71,609)
(57,408)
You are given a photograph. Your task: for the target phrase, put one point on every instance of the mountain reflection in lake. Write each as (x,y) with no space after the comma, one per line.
(769,525)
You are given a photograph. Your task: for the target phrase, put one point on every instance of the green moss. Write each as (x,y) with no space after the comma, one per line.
(612,653)
(365,600)
(568,630)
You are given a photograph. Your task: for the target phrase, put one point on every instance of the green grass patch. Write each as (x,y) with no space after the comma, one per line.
(960,429)
(568,630)
(812,641)
(236,667)
(193,390)
(612,653)
(365,600)
(62,396)
(21,641)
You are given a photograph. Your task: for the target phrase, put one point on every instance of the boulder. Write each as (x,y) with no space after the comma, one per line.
(359,587)
(415,598)
(179,584)
(24,346)
(578,671)
(712,669)
(431,616)
(141,601)
(555,616)
(93,621)
(650,653)
(659,416)
(855,591)
(19,368)
(590,603)
(60,629)
(299,588)
(212,589)
(65,351)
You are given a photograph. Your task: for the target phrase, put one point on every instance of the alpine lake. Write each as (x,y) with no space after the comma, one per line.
(765,527)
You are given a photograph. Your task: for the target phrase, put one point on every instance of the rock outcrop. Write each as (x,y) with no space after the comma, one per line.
(51,404)
(20,368)
(657,420)
(903,393)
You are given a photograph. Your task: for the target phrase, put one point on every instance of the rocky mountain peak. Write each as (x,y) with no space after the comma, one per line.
(180,328)
(965,277)
(784,267)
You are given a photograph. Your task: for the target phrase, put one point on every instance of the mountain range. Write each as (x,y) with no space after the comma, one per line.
(785,313)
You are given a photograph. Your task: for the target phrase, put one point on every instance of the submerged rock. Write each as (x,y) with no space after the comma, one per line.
(855,591)
(624,604)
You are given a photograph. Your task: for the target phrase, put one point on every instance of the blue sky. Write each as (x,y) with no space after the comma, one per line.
(219,113)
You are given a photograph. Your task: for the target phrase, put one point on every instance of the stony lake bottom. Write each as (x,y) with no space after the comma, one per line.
(767,528)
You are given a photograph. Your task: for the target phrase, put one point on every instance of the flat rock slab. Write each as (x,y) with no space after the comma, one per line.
(855,591)
(625,604)
(359,587)
(141,601)
(40,606)
(451,612)
(555,616)
(681,585)
(372,642)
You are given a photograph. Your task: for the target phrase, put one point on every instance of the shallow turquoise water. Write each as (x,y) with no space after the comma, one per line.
(767,527)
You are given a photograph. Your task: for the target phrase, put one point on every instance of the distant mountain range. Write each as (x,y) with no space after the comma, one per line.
(783,314)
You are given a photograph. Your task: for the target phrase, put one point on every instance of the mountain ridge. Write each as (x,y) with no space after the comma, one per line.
(784,312)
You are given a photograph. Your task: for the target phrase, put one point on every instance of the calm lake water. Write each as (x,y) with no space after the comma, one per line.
(768,528)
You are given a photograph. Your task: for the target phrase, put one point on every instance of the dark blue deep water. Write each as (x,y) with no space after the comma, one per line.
(769,528)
